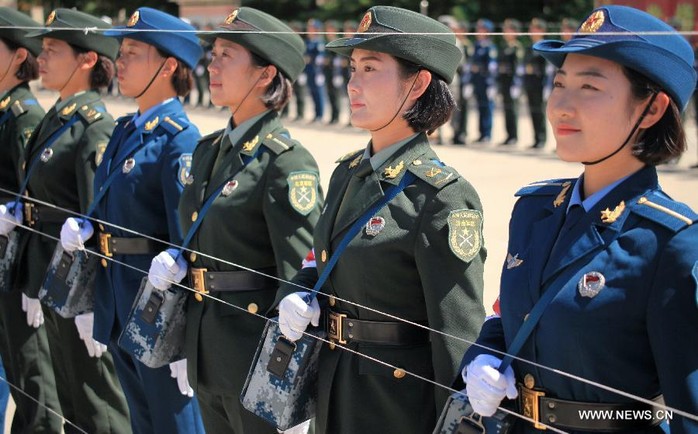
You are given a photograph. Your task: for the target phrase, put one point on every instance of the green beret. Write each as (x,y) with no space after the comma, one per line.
(13,27)
(426,42)
(265,36)
(60,21)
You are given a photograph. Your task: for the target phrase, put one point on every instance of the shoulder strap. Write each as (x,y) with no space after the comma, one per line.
(209,201)
(393,191)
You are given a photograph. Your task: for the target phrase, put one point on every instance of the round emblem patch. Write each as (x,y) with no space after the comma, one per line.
(46,155)
(303,191)
(134,19)
(465,233)
(128,165)
(593,23)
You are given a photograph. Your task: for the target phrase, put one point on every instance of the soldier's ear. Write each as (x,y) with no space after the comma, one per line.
(21,55)
(170,66)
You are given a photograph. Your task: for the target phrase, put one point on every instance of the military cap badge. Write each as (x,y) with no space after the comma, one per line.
(365,23)
(231,17)
(134,19)
(51,18)
(593,23)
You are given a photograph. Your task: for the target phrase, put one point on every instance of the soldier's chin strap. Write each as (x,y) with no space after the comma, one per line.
(152,79)
(401,105)
(632,132)
(232,116)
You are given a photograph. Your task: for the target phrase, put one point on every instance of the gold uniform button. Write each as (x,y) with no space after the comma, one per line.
(529,381)
(252,308)
(198,297)
(399,373)
(323,256)
(194,216)
(192,257)
(101,227)
(332,301)
(332,345)
(104,263)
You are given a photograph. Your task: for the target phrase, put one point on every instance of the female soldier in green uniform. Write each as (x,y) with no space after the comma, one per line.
(262,219)
(59,163)
(23,347)
(419,258)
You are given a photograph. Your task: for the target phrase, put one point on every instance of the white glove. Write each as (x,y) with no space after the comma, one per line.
(515,91)
(85,324)
(295,315)
(491,92)
(485,386)
(467,90)
(8,219)
(32,306)
(74,233)
(178,370)
(164,270)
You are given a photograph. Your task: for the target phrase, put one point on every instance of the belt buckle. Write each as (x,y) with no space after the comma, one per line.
(530,405)
(197,280)
(335,327)
(104,244)
(29,213)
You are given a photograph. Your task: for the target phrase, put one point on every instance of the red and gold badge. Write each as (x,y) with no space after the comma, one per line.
(365,23)
(51,18)
(231,17)
(593,23)
(134,19)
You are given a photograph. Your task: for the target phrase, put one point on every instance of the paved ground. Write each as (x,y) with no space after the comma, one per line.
(496,173)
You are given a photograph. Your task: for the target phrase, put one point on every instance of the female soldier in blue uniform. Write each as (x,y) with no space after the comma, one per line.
(57,166)
(152,150)
(619,255)
(420,257)
(262,220)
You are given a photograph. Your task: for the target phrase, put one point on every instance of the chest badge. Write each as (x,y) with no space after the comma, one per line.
(513,261)
(375,225)
(128,165)
(46,155)
(229,188)
(591,284)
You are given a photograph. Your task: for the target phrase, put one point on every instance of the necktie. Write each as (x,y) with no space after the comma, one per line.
(574,214)
(355,183)
(223,150)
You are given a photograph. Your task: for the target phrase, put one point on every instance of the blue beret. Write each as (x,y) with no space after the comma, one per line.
(179,40)
(663,56)
(487,24)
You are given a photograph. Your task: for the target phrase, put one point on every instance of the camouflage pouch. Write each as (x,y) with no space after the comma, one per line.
(154,330)
(68,287)
(9,244)
(281,386)
(458,417)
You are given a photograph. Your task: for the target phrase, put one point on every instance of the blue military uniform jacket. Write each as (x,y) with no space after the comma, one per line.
(638,333)
(143,198)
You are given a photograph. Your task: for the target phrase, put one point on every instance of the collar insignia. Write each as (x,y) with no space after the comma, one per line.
(608,216)
(391,172)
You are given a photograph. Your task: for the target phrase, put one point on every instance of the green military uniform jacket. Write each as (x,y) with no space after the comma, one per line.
(64,174)
(263,220)
(420,258)
(20,114)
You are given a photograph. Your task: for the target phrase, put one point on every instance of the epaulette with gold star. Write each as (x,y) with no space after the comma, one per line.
(351,155)
(551,187)
(661,209)
(278,143)
(433,172)
(89,113)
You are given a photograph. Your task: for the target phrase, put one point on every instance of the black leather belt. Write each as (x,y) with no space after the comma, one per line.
(34,213)
(341,329)
(588,416)
(204,281)
(110,246)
